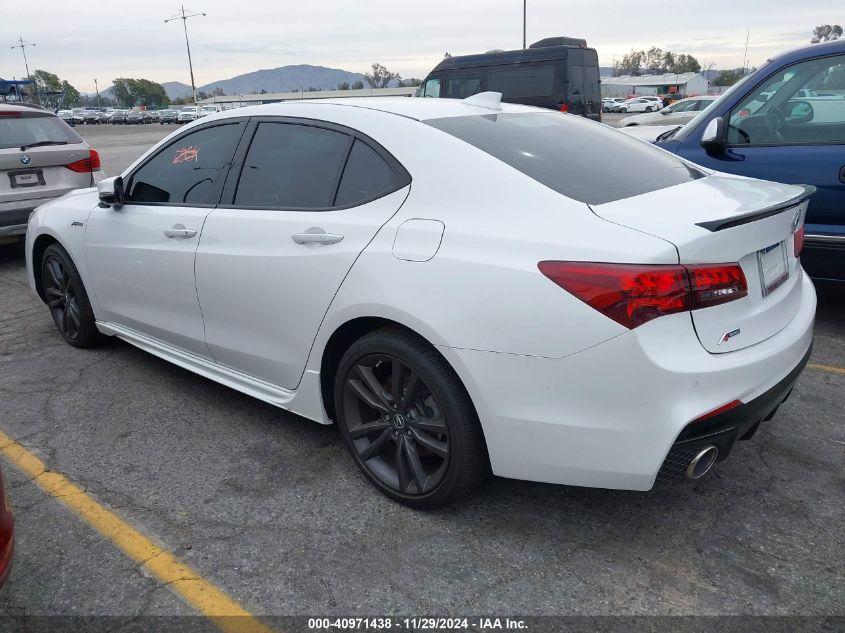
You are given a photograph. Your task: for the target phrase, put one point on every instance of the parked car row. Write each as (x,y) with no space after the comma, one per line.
(677,113)
(115,116)
(646,103)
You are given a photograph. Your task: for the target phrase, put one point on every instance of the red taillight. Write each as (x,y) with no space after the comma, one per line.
(633,294)
(798,241)
(627,293)
(10,114)
(733,404)
(713,285)
(86,165)
(564,107)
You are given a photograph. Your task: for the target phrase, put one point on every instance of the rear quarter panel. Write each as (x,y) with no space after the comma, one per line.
(482,289)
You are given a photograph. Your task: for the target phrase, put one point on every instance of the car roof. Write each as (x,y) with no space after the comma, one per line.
(418,108)
(30,109)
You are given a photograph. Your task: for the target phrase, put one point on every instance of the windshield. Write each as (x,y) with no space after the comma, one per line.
(688,129)
(580,159)
(27,130)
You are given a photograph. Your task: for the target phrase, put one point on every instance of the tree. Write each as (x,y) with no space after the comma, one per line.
(218,92)
(727,77)
(380,76)
(343,85)
(630,64)
(826,33)
(48,82)
(446,55)
(133,92)
(409,83)
(358,85)
(685,64)
(654,59)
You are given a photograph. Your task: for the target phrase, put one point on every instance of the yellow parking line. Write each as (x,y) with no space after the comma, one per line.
(213,603)
(831,368)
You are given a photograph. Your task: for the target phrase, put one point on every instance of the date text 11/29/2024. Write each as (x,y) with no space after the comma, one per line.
(418,624)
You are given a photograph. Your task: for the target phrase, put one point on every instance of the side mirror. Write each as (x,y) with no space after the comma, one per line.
(715,134)
(111,192)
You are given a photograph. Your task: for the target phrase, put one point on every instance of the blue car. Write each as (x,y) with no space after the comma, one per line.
(784,122)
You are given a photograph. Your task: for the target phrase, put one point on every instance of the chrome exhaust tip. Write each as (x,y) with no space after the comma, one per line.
(702,462)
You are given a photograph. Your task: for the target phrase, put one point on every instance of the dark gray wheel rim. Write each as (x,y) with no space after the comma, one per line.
(396,425)
(61,297)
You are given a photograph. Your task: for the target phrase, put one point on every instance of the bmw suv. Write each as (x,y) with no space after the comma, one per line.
(41,158)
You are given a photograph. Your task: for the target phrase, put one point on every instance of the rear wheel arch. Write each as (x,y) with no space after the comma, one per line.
(344,337)
(39,246)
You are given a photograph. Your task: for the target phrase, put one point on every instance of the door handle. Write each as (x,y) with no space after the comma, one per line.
(178,230)
(317,238)
(842,174)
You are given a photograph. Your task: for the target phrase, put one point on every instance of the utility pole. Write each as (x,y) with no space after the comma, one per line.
(97,88)
(524,17)
(745,55)
(21,44)
(184,15)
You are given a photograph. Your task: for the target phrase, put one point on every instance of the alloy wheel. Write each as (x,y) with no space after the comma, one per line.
(61,298)
(395,424)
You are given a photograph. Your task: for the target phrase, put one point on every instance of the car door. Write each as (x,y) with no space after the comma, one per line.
(140,254)
(309,198)
(776,133)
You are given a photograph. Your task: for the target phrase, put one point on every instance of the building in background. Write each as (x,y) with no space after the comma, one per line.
(686,84)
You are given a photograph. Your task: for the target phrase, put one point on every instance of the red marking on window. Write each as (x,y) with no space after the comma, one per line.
(186,154)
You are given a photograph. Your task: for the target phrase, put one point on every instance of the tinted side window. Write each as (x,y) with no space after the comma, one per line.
(187,171)
(366,175)
(463,86)
(525,81)
(292,166)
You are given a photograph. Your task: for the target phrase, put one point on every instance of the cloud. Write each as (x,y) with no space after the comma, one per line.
(408,37)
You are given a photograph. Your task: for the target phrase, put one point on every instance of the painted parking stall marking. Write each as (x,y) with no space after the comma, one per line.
(828,368)
(200,593)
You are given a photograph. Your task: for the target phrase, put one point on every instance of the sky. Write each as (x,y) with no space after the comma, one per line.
(130,39)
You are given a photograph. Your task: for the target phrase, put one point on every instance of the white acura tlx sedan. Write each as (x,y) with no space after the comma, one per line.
(463,286)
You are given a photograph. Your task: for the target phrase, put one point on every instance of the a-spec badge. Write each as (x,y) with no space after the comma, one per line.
(25,159)
(728,336)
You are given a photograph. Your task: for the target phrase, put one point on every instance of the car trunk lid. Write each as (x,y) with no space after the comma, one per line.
(40,172)
(723,219)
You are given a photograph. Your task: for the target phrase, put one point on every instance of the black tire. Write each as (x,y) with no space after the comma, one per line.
(426,429)
(65,296)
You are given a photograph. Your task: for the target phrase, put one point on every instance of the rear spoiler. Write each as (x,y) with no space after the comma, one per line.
(746,218)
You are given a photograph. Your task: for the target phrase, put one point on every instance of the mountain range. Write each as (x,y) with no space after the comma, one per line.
(282,79)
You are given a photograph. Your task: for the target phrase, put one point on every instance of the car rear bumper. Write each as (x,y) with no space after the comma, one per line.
(607,416)
(723,430)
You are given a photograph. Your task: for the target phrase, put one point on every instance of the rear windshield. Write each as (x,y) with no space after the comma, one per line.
(17,131)
(580,159)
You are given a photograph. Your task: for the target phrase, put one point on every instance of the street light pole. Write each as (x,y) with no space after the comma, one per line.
(183,15)
(97,88)
(21,44)
(524,19)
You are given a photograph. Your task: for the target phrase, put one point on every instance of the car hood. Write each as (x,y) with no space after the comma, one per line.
(646,132)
